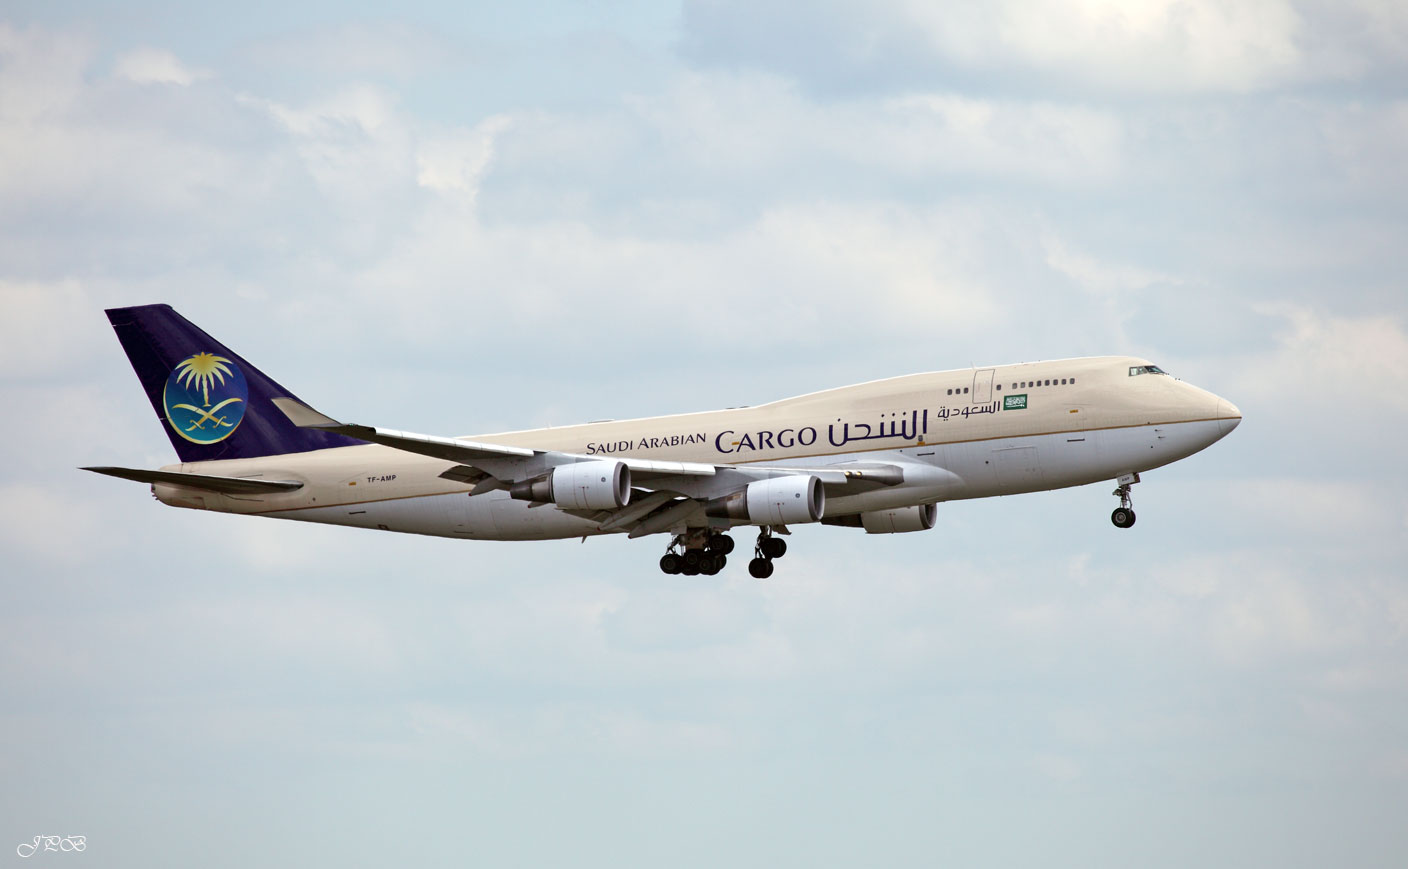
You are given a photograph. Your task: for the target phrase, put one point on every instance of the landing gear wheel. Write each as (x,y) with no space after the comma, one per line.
(760,568)
(712,564)
(690,569)
(671,563)
(1123,517)
(693,558)
(720,543)
(772,547)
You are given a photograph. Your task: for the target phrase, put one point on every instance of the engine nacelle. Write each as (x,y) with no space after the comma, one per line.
(778,501)
(598,485)
(900,521)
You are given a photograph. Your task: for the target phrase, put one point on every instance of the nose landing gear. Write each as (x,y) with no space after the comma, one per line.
(1123,517)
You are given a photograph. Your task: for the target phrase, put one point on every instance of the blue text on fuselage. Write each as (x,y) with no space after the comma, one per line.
(764,440)
(652,443)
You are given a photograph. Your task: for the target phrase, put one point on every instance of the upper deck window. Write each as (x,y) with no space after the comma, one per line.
(1136,370)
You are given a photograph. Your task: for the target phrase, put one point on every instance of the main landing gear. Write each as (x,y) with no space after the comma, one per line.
(693,554)
(703,551)
(767,548)
(1123,517)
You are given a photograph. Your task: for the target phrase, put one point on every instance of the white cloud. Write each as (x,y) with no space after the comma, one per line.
(728,122)
(357,50)
(154,66)
(1335,357)
(354,143)
(1160,45)
(1059,143)
(456,163)
(39,327)
(1314,508)
(1096,276)
(1104,47)
(804,259)
(52,527)
(1361,142)
(41,73)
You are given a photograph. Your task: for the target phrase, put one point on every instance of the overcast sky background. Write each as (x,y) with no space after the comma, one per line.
(475,217)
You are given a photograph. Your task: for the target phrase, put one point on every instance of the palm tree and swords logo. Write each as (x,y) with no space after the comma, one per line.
(188,398)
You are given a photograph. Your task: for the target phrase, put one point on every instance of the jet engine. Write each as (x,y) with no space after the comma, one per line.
(904,519)
(597,485)
(777,501)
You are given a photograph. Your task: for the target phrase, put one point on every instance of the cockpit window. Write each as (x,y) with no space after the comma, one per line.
(1136,370)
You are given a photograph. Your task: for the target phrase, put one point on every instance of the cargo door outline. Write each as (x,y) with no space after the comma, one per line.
(1018,469)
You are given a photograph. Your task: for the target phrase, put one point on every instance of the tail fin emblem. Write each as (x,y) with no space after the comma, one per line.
(194,383)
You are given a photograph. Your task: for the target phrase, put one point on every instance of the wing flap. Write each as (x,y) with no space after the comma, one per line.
(850,476)
(650,469)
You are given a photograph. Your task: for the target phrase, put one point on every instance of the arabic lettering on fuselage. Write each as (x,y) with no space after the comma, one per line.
(892,428)
(907,426)
(947,413)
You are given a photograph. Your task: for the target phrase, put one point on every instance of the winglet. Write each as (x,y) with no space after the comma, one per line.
(304,416)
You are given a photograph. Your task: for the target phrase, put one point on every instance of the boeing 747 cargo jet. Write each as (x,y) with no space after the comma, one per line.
(877,456)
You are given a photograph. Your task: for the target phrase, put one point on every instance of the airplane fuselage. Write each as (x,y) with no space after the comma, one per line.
(969,433)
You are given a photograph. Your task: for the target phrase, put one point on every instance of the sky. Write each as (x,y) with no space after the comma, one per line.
(458,218)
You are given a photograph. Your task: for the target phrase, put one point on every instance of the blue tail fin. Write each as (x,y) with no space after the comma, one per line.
(212,403)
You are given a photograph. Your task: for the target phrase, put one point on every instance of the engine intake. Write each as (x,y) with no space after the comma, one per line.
(598,485)
(777,501)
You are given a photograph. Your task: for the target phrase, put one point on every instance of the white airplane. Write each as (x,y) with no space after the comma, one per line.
(877,456)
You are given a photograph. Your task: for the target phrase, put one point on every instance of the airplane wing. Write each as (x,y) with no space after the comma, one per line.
(504,462)
(667,493)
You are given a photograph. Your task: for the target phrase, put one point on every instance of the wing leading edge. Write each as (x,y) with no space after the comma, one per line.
(508,464)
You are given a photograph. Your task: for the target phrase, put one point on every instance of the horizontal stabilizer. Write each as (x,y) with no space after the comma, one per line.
(224,485)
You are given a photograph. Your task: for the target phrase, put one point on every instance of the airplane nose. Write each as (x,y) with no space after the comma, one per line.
(1228,416)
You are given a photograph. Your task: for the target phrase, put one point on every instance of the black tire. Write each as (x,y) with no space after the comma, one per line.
(760,568)
(1123,517)
(690,569)
(670,563)
(692,557)
(721,543)
(773,547)
(712,565)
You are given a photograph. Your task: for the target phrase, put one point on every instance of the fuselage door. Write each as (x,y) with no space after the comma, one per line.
(982,386)
(1018,469)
